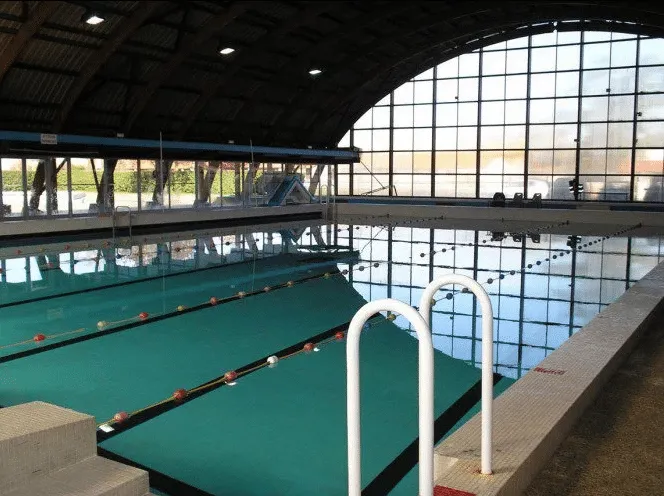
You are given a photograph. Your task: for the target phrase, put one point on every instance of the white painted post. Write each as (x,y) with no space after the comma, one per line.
(425,392)
(487,352)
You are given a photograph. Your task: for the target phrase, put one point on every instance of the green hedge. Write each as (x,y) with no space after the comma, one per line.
(182,181)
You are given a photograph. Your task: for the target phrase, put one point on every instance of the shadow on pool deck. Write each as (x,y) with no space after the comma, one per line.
(616,447)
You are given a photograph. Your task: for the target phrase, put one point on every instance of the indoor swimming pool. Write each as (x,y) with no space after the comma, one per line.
(216,359)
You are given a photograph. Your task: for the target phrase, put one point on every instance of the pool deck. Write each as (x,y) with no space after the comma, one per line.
(538,412)
(616,447)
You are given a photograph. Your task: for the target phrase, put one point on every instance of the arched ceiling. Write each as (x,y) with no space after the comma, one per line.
(154,67)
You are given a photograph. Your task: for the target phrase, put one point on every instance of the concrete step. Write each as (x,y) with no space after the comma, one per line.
(39,438)
(95,476)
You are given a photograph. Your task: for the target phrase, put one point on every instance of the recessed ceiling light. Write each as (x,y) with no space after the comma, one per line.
(315,72)
(93,18)
(226,51)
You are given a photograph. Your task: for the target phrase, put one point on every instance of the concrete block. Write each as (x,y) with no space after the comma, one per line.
(38,438)
(94,476)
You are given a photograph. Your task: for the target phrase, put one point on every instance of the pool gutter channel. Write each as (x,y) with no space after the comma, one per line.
(157,318)
(537,413)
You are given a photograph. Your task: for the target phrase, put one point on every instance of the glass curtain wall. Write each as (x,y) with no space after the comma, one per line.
(63,186)
(524,116)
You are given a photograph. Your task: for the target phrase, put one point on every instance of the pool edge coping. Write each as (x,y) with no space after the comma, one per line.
(537,412)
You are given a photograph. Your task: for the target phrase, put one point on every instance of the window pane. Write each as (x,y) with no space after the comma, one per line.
(449,69)
(517,61)
(403,139)
(422,139)
(381,140)
(649,134)
(515,137)
(621,108)
(423,91)
(423,115)
(446,114)
(543,59)
(542,85)
(651,78)
(619,161)
(493,63)
(445,163)
(593,162)
(493,88)
(622,80)
(492,137)
(516,86)
(565,136)
(567,109)
(595,82)
(593,135)
(544,39)
(404,93)
(623,53)
(467,113)
(422,163)
(381,117)
(364,121)
(468,89)
(469,64)
(541,136)
(595,109)
(651,51)
(446,90)
(567,84)
(651,106)
(515,112)
(540,162)
(541,111)
(568,57)
(362,139)
(564,161)
(446,138)
(467,138)
(493,112)
(403,116)
(596,55)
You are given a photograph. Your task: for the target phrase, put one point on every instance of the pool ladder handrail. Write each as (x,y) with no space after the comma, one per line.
(425,392)
(115,213)
(487,352)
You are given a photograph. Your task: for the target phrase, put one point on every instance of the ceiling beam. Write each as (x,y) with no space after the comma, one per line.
(96,60)
(39,15)
(212,27)
(212,85)
(305,59)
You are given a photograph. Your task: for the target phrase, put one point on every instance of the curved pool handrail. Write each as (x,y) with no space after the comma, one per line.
(425,392)
(487,353)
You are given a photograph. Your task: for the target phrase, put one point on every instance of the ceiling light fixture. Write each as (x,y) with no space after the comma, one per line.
(226,51)
(93,18)
(315,72)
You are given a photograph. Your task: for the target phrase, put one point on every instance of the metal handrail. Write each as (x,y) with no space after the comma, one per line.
(487,352)
(115,213)
(425,392)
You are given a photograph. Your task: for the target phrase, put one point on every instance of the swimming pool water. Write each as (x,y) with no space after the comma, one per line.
(282,430)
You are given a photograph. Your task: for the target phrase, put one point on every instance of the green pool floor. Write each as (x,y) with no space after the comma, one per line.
(279,430)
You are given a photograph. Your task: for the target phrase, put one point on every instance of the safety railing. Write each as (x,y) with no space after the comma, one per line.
(487,352)
(115,220)
(425,392)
